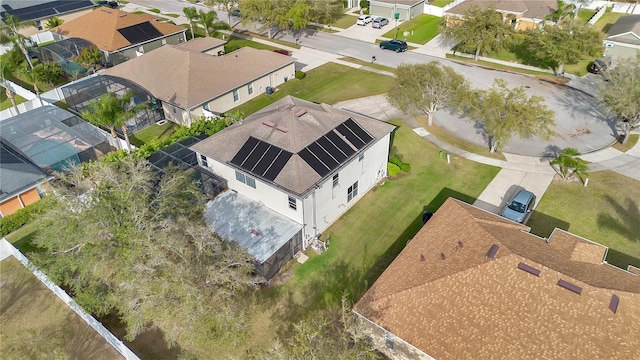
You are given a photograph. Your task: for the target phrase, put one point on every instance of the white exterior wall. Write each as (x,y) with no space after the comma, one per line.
(330,202)
(226,102)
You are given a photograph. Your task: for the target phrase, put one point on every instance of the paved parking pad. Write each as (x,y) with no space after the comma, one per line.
(505,185)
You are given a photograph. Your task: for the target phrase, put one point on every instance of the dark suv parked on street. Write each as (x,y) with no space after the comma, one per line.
(395,45)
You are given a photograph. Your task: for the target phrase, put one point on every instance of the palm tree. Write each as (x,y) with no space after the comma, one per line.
(113,112)
(209,20)
(54,22)
(192,14)
(14,24)
(569,164)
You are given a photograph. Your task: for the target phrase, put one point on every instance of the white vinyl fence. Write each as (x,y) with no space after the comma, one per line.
(6,250)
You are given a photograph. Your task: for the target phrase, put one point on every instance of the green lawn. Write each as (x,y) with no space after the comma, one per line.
(606,21)
(153,132)
(458,142)
(345,21)
(440,3)
(585,14)
(631,142)
(606,211)
(5,103)
(328,83)
(366,239)
(493,65)
(419,30)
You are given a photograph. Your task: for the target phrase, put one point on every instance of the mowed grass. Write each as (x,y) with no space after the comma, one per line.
(606,21)
(35,324)
(606,211)
(462,144)
(419,30)
(5,102)
(586,14)
(153,132)
(440,3)
(328,84)
(366,239)
(345,21)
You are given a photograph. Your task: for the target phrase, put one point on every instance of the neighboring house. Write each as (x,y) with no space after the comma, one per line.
(623,39)
(21,181)
(201,84)
(472,284)
(523,14)
(305,163)
(53,138)
(406,9)
(120,35)
(40,11)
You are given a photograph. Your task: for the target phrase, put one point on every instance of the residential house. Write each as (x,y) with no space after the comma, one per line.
(208,45)
(623,39)
(472,284)
(120,35)
(201,84)
(305,164)
(523,14)
(406,9)
(21,181)
(40,11)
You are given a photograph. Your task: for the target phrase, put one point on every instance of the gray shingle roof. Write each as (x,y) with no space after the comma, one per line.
(17,173)
(297,176)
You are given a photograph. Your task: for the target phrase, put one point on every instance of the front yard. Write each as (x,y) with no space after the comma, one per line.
(418,30)
(606,211)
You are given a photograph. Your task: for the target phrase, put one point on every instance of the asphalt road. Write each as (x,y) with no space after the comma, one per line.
(580,123)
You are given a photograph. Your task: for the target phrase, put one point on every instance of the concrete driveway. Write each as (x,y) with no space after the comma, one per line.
(531,175)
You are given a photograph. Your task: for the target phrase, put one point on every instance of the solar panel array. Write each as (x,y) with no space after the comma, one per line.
(261,158)
(45,10)
(330,150)
(138,33)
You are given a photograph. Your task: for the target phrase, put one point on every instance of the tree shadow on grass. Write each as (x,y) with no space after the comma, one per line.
(524,52)
(627,223)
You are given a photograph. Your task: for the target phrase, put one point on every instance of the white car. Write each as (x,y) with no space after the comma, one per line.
(364,20)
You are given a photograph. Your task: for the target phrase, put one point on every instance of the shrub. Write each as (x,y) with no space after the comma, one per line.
(393,170)
(300,74)
(15,221)
(49,72)
(404,167)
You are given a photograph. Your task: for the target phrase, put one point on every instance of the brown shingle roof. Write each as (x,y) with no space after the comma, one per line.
(202,44)
(531,9)
(196,77)
(296,176)
(101,27)
(468,306)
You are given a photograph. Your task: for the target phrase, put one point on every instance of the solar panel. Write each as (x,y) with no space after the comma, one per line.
(47,9)
(530,269)
(334,151)
(569,286)
(256,155)
(340,143)
(323,155)
(351,137)
(358,130)
(315,164)
(277,165)
(138,33)
(269,157)
(613,304)
(244,151)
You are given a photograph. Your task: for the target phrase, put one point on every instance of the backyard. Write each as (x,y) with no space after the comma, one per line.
(606,211)
(5,103)
(418,30)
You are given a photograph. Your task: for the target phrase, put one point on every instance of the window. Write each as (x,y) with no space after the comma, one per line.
(292,203)
(336,180)
(39,24)
(203,159)
(361,157)
(245,179)
(352,192)
(250,88)
(236,96)
(206,107)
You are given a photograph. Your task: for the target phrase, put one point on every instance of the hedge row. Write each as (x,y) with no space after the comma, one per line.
(15,221)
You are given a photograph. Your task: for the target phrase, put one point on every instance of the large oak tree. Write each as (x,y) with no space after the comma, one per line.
(426,88)
(125,240)
(620,93)
(480,31)
(502,112)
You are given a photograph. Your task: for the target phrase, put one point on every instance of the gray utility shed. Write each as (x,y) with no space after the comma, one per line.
(272,239)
